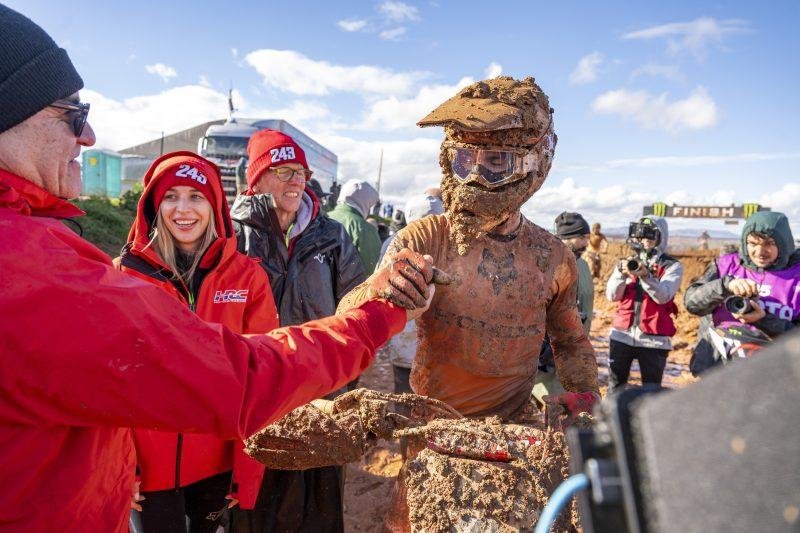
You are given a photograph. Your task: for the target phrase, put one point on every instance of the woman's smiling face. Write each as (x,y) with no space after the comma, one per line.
(186,213)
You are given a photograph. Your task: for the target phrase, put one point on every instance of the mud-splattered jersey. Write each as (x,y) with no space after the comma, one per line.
(479,341)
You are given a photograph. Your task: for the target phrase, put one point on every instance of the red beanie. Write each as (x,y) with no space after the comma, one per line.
(269,148)
(183,171)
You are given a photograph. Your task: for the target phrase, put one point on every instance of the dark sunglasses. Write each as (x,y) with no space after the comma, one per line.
(77,111)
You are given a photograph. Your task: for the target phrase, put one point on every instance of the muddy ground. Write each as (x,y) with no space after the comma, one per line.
(369,481)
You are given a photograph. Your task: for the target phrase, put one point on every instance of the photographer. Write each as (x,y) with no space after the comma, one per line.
(759,285)
(644,285)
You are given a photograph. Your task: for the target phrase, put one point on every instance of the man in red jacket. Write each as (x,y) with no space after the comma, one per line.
(88,351)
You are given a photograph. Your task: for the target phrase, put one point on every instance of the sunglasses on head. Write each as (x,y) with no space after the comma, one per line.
(77,111)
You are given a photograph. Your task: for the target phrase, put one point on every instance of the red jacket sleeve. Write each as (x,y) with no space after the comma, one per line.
(92,346)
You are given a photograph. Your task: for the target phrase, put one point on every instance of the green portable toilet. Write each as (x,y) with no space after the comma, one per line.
(101,173)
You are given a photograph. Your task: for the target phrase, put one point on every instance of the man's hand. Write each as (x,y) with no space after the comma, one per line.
(640,272)
(746,288)
(574,403)
(413,314)
(755,315)
(136,497)
(232,502)
(403,280)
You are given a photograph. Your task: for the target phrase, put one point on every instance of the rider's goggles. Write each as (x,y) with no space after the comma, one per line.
(496,166)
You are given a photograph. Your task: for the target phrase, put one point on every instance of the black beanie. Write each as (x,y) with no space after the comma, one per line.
(571,225)
(34,71)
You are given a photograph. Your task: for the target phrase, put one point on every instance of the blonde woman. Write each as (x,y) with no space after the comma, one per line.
(182,240)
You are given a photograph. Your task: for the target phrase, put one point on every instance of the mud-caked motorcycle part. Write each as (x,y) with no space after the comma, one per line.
(338,432)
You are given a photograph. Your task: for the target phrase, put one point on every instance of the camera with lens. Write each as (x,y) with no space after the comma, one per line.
(738,305)
(633,264)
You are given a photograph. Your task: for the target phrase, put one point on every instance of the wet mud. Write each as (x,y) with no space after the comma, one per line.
(370,480)
(452,489)
(341,431)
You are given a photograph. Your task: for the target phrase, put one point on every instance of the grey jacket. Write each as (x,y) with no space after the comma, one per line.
(322,267)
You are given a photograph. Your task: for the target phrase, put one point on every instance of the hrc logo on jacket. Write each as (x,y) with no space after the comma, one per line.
(231,296)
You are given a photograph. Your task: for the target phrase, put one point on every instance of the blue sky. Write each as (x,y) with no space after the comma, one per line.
(685,102)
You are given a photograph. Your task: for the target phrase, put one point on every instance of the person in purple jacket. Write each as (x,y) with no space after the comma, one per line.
(759,286)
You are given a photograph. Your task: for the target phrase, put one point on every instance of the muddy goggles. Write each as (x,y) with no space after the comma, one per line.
(496,166)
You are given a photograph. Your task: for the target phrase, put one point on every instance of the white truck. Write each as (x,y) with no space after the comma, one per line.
(225,144)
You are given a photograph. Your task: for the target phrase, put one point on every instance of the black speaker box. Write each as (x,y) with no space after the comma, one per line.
(724,454)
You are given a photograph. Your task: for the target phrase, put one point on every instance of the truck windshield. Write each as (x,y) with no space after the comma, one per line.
(226,146)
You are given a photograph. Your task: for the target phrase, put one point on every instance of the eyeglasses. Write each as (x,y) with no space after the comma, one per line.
(76,111)
(287,173)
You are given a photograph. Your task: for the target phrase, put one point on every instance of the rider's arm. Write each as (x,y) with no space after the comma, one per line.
(576,365)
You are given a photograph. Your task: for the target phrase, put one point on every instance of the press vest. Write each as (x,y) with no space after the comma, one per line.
(654,318)
(778,290)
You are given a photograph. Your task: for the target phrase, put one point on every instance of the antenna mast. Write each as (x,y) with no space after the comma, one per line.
(231,109)
(380,169)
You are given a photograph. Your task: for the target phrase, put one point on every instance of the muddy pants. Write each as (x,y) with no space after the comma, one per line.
(203,503)
(652,362)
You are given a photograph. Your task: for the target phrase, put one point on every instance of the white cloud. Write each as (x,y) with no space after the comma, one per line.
(165,72)
(409,165)
(493,70)
(393,34)
(680,161)
(722,197)
(398,11)
(787,201)
(293,72)
(351,25)
(204,81)
(694,37)
(586,69)
(617,202)
(121,124)
(696,112)
(615,205)
(235,53)
(669,72)
(394,113)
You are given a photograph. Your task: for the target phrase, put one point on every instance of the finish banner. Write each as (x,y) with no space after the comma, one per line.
(660,209)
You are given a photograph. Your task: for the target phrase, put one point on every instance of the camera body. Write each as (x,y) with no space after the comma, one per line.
(638,230)
(738,305)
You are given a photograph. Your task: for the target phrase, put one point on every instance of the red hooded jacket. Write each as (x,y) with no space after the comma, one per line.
(88,351)
(235,292)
